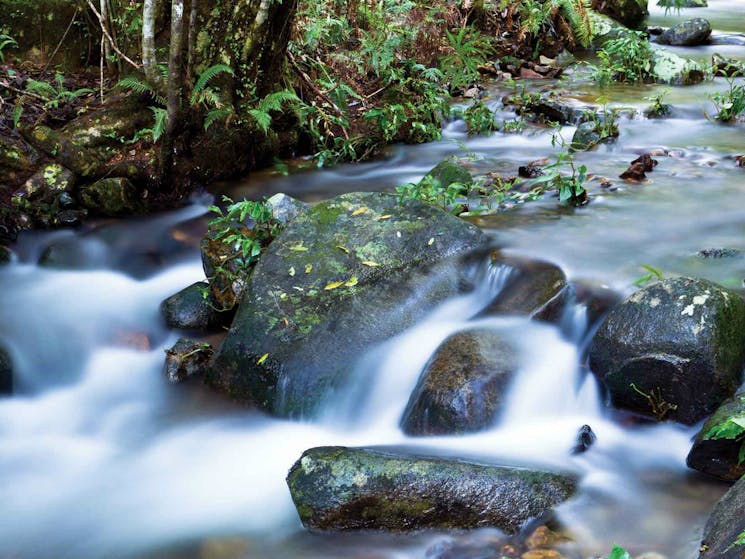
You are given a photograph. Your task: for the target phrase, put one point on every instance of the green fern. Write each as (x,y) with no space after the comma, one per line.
(217,114)
(577,14)
(5,42)
(159,125)
(209,74)
(136,85)
(274,101)
(17,114)
(262,118)
(43,89)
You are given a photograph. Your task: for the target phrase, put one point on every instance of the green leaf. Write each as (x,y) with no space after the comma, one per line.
(619,553)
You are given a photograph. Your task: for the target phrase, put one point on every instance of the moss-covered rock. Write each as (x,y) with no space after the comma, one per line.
(48,183)
(692,32)
(674,349)
(462,387)
(347,274)
(604,29)
(726,526)
(720,457)
(337,488)
(17,154)
(190,309)
(672,69)
(449,171)
(534,288)
(112,197)
(629,12)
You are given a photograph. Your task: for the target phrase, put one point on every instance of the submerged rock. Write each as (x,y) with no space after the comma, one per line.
(6,372)
(716,456)
(671,69)
(726,526)
(345,275)
(190,309)
(449,171)
(535,288)
(337,488)
(688,33)
(674,349)
(187,359)
(716,253)
(462,388)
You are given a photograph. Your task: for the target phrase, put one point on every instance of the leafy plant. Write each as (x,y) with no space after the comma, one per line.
(658,108)
(652,274)
(55,93)
(479,118)
(141,87)
(732,428)
(6,41)
(467,49)
(657,404)
(627,58)
(619,553)
(730,104)
(537,15)
(430,191)
(669,5)
(571,188)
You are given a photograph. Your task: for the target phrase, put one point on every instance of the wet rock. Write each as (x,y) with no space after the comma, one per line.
(346,275)
(728,67)
(47,184)
(551,108)
(85,253)
(190,309)
(337,488)
(462,388)
(598,299)
(586,137)
(530,171)
(112,197)
(674,349)
(715,454)
(717,253)
(725,526)
(672,69)
(688,33)
(740,159)
(286,208)
(448,172)
(187,359)
(535,289)
(732,39)
(639,167)
(544,538)
(604,29)
(6,372)
(585,439)
(675,4)
(17,154)
(70,218)
(528,74)
(6,255)
(629,12)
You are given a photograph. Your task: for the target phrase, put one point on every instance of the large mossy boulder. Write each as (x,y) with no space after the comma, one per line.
(192,308)
(671,69)
(113,197)
(688,33)
(674,349)
(337,488)
(449,171)
(462,388)
(345,275)
(533,288)
(726,526)
(719,448)
(631,13)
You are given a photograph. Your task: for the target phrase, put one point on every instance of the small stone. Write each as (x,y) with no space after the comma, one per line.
(720,253)
(541,554)
(585,439)
(544,537)
(528,74)
(187,359)
(66,201)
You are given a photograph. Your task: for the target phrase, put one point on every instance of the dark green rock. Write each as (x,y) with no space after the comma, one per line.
(725,526)
(6,255)
(535,289)
(671,69)
(680,342)
(286,208)
(720,457)
(448,172)
(112,197)
(688,33)
(187,359)
(17,154)
(462,388)
(344,276)
(337,488)
(586,137)
(629,12)
(189,309)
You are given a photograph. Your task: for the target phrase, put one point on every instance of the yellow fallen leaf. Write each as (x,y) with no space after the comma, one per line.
(262,359)
(431,241)
(308,268)
(334,285)
(292,271)
(343,248)
(359,211)
(370,263)
(299,248)
(351,282)
(382,217)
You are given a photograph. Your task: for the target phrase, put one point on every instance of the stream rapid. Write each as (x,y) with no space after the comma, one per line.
(101,458)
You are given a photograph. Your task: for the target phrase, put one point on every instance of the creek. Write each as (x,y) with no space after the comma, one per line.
(101,458)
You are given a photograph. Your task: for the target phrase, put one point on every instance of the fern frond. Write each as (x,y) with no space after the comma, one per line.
(577,13)
(217,114)
(41,88)
(274,101)
(159,126)
(209,74)
(262,118)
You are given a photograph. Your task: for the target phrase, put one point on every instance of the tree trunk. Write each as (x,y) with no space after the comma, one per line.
(193,17)
(149,62)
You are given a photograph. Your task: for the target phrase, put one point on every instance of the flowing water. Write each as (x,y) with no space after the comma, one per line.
(100,458)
